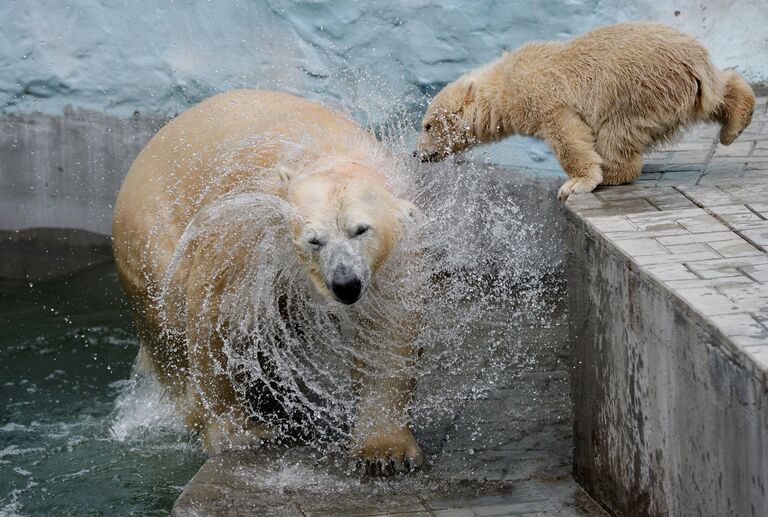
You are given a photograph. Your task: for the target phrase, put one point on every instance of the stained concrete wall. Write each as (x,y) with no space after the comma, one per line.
(668,420)
(65,171)
(59,178)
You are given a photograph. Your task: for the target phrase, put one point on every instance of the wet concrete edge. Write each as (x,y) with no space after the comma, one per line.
(671,417)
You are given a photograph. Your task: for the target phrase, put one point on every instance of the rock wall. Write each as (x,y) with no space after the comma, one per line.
(119,57)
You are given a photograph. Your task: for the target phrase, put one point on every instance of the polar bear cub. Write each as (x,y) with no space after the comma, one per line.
(345,222)
(600,101)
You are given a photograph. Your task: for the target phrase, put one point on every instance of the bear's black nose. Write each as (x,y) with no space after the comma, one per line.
(347,290)
(429,157)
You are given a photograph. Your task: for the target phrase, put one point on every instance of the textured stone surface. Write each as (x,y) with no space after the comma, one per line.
(233,484)
(669,302)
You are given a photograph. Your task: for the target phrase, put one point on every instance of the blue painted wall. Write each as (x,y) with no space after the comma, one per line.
(163,55)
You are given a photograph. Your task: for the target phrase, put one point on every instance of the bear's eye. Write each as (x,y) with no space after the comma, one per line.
(361,229)
(314,241)
(427,126)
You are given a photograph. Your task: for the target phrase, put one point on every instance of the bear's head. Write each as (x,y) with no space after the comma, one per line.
(446,128)
(347,226)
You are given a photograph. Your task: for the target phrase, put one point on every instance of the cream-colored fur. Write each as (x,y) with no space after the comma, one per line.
(346,223)
(599,100)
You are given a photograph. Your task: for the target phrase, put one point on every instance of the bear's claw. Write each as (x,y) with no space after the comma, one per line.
(389,454)
(382,467)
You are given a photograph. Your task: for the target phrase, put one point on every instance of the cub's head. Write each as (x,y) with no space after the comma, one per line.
(446,129)
(349,223)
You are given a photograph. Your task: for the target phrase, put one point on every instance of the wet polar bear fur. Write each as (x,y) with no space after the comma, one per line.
(599,100)
(345,224)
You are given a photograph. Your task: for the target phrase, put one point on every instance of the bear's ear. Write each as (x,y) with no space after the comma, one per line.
(469,92)
(409,214)
(284,174)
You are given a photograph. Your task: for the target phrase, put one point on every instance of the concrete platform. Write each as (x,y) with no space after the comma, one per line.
(290,482)
(668,288)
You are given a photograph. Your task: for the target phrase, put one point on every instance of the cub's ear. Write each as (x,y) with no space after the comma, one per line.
(469,92)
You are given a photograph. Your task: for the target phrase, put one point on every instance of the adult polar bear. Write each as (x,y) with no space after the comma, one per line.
(345,223)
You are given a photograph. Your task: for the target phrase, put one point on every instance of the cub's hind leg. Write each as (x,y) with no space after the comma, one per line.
(735,113)
(622,169)
(622,160)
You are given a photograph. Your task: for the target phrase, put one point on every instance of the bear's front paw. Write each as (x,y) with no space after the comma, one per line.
(576,186)
(387,453)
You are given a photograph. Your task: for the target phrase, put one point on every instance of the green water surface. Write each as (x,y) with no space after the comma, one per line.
(66,351)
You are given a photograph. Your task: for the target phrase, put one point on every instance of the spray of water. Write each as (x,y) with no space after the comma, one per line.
(289,352)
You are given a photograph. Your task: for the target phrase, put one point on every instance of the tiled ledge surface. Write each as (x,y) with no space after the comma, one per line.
(697,222)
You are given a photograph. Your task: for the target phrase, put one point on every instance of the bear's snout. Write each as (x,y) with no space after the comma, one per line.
(347,275)
(346,288)
(426,157)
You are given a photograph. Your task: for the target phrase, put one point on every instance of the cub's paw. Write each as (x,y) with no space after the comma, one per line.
(385,454)
(222,436)
(576,186)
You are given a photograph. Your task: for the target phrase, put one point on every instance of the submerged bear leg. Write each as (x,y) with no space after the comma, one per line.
(735,114)
(573,143)
(214,408)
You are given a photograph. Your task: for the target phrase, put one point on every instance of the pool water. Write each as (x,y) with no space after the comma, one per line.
(75,438)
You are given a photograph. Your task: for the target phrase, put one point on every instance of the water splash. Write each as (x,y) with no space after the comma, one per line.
(143,407)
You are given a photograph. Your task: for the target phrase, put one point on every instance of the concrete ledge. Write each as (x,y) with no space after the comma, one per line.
(65,171)
(669,418)
(669,306)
